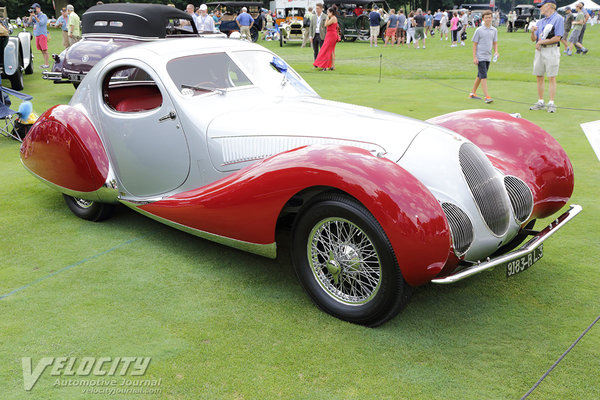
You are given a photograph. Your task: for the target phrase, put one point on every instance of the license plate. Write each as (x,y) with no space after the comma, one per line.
(522,263)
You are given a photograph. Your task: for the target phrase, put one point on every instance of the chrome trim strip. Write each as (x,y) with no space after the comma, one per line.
(107,193)
(526,248)
(122,36)
(118,13)
(266,250)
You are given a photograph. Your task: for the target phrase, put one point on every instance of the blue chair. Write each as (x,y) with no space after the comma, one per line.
(8,116)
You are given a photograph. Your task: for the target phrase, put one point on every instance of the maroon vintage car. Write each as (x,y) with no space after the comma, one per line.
(110,27)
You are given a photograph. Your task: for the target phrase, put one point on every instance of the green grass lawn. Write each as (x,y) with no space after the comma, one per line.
(220,323)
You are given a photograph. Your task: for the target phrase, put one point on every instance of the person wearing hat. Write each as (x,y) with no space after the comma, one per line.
(62,22)
(374,25)
(74,26)
(40,31)
(546,35)
(204,22)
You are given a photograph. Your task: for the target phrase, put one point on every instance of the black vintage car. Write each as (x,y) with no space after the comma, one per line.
(525,14)
(110,27)
(353,18)
(229,11)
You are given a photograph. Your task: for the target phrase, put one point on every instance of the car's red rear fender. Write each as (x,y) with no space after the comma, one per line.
(64,149)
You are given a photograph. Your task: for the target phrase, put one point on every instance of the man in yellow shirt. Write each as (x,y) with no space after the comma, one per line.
(74,25)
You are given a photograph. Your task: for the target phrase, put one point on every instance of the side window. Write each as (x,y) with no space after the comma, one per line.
(130,89)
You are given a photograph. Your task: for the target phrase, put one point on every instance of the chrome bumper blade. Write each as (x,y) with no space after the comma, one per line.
(52,76)
(526,248)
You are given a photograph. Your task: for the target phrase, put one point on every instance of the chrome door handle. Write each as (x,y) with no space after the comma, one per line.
(171,115)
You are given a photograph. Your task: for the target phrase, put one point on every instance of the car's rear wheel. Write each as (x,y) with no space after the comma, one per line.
(346,263)
(90,210)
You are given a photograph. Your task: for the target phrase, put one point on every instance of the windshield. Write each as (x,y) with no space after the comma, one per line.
(272,73)
(198,74)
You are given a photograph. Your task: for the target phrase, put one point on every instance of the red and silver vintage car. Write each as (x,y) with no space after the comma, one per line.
(377,203)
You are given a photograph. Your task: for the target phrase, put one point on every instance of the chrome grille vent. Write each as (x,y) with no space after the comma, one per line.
(461,228)
(486,187)
(520,197)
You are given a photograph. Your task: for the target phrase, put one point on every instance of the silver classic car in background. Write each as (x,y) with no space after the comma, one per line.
(377,203)
(17,55)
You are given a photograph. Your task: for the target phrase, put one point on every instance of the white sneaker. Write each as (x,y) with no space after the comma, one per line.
(423,46)
(462,43)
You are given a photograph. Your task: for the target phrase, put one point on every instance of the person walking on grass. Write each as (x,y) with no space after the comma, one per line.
(419,28)
(39,20)
(454,28)
(392,27)
(546,34)
(74,25)
(444,26)
(401,31)
(485,39)
(374,23)
(575,38)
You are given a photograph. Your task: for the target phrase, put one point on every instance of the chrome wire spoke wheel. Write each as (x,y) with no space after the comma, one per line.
(83,203)
(344,261)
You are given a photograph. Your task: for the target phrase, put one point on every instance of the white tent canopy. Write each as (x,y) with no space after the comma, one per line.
(587,4)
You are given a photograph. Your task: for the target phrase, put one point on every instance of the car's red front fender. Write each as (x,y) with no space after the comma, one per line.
(245,205)
(520,148)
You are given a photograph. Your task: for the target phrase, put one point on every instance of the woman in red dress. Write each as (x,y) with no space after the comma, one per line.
(326,57)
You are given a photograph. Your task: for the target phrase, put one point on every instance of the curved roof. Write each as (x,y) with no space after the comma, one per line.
(146,20)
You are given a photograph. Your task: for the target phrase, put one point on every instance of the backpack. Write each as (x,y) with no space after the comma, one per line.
(306,22)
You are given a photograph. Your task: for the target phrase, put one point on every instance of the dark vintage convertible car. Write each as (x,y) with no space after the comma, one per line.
(353,18)
(110,27)
(526,13)
(229,11)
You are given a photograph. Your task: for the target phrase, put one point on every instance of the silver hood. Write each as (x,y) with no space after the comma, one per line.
(235,142)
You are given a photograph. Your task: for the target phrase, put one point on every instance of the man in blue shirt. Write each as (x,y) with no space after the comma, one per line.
(244,22)
(40,31)
(546,35)
(62,22)
(374,22)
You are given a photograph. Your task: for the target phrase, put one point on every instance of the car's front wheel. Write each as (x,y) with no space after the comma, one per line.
(346,263)
(90,210)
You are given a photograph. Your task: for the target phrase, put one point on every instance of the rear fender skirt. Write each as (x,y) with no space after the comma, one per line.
(63,149)
(518,147)
(245,205)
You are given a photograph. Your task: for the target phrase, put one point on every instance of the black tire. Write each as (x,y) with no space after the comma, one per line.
(362,25)
(332,269)
(349,39)
(254,34)
(16,80)
(90,210)
(29,69)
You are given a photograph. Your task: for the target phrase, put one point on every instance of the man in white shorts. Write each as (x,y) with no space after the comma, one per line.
(546,35)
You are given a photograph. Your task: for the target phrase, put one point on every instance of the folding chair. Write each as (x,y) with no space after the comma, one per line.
(8,117)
